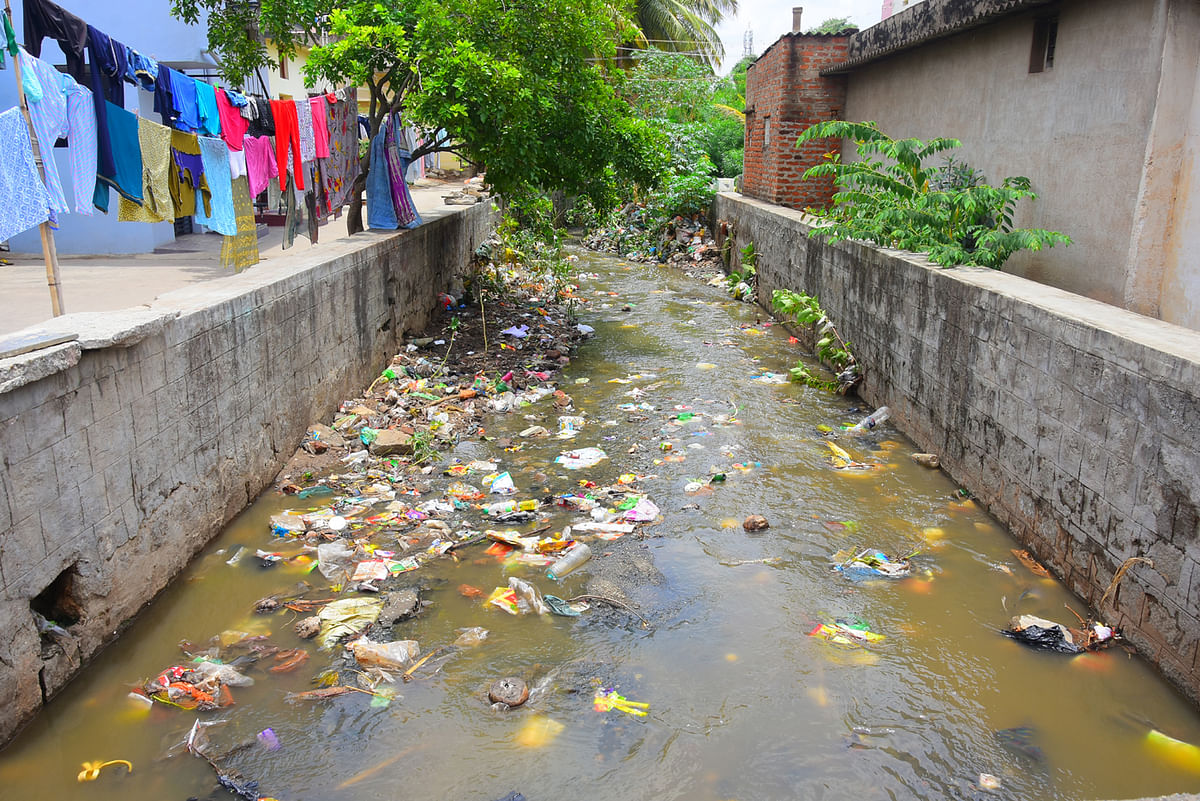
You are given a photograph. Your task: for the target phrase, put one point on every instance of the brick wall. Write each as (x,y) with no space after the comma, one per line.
(785,94)
(1075,423)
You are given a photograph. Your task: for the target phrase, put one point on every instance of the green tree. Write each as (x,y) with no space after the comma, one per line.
(683,26)
(892,197)
(834,25)
(517,88)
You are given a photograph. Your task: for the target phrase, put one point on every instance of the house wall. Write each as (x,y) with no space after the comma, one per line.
(1079,131)
(785,94)
(123,453)
(1075,423)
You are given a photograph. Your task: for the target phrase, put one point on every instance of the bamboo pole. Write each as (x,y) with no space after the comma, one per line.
(49,252)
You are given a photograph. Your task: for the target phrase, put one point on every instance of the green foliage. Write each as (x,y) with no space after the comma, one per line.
(805,310)
(834,25)
(686,26)
(670,86)
(425,447)
(529,241)
(892,197)
(743,283)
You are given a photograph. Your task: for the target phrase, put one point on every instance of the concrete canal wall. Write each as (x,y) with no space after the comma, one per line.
(123,453)
(1075,423)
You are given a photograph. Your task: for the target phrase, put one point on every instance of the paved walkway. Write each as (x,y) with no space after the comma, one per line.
(107,283)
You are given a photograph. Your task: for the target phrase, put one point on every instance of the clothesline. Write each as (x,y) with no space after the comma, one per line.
(215,150)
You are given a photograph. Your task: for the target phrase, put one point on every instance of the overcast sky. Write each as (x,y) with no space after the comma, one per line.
(770,19)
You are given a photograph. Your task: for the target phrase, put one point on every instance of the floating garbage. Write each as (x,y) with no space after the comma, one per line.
(846,632)
(509,691)
(91,770)
(539,731)
(571,560)
(1177,753)
(581,458)
(870,562)
(346,617)
(395,655)
(609,699)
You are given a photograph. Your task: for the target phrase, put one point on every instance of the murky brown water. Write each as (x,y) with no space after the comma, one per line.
(743,704)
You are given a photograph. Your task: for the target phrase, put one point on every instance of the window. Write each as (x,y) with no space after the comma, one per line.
(283,68)
(767,131)
(1045,37)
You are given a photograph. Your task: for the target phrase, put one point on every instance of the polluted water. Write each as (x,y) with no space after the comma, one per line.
(844,643)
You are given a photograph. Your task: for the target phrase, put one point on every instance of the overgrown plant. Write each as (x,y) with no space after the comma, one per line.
(743,283)
(893,198)
(831,348)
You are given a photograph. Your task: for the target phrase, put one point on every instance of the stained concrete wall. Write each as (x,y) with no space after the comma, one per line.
(1098,133)
(1075,423)
(124,452)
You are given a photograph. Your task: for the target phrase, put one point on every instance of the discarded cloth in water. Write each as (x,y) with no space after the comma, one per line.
(346,617)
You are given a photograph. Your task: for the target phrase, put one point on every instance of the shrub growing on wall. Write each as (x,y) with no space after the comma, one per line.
(893,198)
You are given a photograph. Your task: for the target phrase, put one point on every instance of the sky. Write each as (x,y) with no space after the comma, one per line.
(770,19)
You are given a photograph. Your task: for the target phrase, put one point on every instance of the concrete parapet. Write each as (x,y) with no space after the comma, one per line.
(124,452)
(1075,423)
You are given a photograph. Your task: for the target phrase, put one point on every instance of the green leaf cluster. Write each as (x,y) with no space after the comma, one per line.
(805,310)
(893,197)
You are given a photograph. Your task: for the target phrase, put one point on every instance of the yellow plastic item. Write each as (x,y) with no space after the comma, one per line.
(1179,754)
(539,731)
(607,700)
(91,770)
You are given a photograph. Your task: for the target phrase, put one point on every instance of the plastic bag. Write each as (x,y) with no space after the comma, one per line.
(347,616)
(395,655)
(1040,633)
(224,674)
(471,637)
(529,594)
(334,559)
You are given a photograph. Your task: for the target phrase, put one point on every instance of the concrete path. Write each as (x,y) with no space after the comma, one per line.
(107,283)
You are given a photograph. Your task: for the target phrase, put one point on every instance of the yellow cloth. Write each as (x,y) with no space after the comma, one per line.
(157,206)
(241,251)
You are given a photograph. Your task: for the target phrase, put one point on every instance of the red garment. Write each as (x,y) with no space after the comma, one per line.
(233,124)
(320,125)
(287,132)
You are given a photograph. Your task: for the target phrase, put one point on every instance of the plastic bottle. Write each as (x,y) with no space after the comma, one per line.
(504,507)
(571,560)
(867,423)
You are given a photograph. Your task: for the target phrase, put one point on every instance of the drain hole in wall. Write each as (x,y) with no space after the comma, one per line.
(59,603)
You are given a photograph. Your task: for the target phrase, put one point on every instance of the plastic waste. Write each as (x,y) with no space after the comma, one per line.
(644,511)
(500,484)
(560,607)
(507,507)
(269,740)
(539,731)
(224,674)
(469,638)
(571,560)
(1046,635)
(91,770)
(609,699)
(347,616)
(1178,753)
(846,632)
(869,562)
(529,594)
(581,458)
(395,655)
(505,598)
(869,422)
(334,559)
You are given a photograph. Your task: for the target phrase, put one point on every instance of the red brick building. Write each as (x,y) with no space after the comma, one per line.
(785,93)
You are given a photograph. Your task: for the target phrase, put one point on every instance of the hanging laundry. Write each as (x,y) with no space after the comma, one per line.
(215,155)
(24,201)
(318,208)
(164,101)
(261,117)
(304,121)
(187,175)
(260,163)
(206,103)
(381,214)
(61,108)
(295,220)
(320,120)
(233,124)
(183,92)
(237,164)
(343,167)
(107,69)
(121,131)
(241,250)
(157,204)
(236,99)
(46,19)
(287,134)
(10,41)
(397,163)
(141,70)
